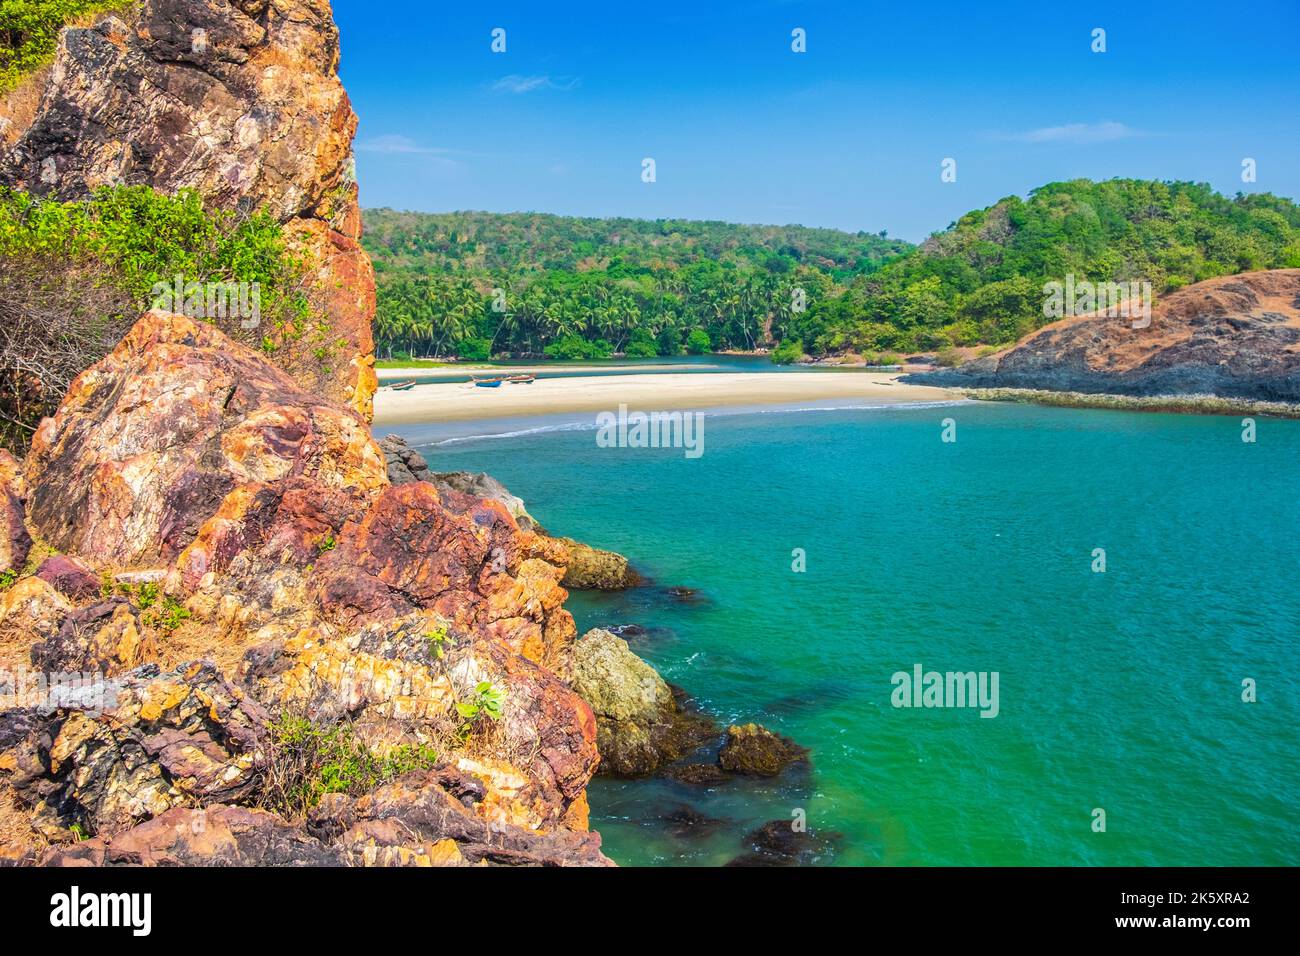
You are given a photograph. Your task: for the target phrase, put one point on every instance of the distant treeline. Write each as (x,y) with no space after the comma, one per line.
(470,283)
(475,284)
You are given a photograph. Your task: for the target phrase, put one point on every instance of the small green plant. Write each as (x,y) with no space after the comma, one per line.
(168,615)
(146,594)
(309,761)
(439,640)
(7,578)
(486,702)
(327,543)
(77,831)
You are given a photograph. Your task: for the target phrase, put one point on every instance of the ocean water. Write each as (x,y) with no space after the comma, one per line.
(1119,691)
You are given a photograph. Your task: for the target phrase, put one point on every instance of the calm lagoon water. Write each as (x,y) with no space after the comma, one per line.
(1119,690)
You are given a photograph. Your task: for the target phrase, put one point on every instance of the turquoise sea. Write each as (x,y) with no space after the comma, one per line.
(1119,690)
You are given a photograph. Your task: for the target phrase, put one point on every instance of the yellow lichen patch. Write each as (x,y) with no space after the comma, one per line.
(162,696)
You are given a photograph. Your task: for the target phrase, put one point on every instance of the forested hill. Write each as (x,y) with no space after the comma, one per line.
(981,280)
(582,288)
(528,242)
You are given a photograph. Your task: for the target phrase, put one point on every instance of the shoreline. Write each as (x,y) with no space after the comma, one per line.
(663,391)
(1173,404)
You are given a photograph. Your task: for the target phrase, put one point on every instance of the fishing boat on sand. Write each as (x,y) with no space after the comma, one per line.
(521,379)
(488,382)
(402,386)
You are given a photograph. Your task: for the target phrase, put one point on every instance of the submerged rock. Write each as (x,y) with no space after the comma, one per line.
(697,774)
(778,843)
(754,750)
(640,725)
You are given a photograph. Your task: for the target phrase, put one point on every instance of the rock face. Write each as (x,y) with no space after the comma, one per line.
(754,750)
(640,725)
(213,836)
(150,440)
(15,542)
(185,738)
(1234,337)
(585,569)
(326,594)
(239,100)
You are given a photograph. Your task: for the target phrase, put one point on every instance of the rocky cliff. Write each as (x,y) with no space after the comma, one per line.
(239,100)
(261,584)
(1234,336)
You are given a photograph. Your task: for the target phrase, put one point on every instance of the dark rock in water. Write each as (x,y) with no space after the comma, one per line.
(685,595)
(641,723)
(627,630)
(778,843)
(479,485)
(69,576)
(685,821)
(697,774)
(754,750)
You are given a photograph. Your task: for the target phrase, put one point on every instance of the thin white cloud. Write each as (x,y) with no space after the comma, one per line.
(394,143)
(516,83)
(1075,133)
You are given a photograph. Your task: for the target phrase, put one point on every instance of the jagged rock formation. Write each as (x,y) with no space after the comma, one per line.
(640,724)
(585,569)
(1234,337)
(262,524)
(239,100)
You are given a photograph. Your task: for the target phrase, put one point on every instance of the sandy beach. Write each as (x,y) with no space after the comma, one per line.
(657,392)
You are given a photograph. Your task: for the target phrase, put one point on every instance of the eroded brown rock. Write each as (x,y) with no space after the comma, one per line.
(15,542)
(150,440)
(185,738)
(410,820)
(211,836)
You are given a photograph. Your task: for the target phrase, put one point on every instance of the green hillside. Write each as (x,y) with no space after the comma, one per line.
(981,280)
(585,287)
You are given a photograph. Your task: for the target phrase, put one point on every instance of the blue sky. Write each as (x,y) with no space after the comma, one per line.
(850,134)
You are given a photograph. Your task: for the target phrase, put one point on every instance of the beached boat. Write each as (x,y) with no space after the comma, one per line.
(402,386)
(522,379)
(488,382)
